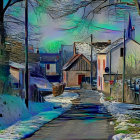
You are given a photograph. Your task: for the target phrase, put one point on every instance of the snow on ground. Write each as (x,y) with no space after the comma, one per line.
(128,119)
(25,122)
(41,82)
(65,98)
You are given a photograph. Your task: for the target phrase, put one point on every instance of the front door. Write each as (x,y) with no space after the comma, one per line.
(80,79)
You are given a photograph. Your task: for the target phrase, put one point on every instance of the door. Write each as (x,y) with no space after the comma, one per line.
(80,79)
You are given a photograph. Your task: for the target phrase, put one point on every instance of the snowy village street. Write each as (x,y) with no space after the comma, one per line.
(69,69)
(87,119)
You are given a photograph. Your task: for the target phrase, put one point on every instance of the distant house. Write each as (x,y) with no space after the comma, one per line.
(17,78)
(17,63)
(51,66)
(85,48)
(76,68)
(17,74)
(110,60)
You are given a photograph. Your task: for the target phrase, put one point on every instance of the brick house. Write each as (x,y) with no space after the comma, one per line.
(76,68)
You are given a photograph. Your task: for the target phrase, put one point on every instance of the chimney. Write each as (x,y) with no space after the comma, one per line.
(74,48)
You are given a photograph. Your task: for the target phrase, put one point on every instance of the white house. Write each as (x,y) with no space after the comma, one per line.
(110,60)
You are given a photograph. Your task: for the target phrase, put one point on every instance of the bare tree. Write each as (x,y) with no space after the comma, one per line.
(63,8)
(7,17)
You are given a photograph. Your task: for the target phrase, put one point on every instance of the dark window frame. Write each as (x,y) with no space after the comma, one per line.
(121,52)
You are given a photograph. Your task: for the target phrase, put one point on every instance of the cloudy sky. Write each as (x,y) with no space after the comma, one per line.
(108,24)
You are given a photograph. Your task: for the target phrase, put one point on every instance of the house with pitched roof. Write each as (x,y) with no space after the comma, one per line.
(110,60)
(75,69)
(79,65)
(51,66)
(85,48)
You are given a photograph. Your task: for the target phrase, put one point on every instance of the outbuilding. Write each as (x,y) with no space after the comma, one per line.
(75,69)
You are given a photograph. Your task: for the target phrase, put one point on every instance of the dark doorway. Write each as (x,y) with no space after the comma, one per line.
(80,79)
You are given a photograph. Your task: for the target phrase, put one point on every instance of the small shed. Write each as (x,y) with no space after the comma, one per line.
(75,69)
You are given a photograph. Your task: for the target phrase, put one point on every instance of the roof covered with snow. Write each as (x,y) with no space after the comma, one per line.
(113,45)
(116,44)
(18,65)
(85,48)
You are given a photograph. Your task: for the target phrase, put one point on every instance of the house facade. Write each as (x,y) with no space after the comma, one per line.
(110,60)
(51,66)
(17,75)
(50,63)
(75,69)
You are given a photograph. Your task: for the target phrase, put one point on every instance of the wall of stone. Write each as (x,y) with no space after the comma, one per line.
(117,90)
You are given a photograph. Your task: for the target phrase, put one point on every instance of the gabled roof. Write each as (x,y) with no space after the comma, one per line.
(85,48)
(116,44)
(110,47)
(73,59)
(18,65)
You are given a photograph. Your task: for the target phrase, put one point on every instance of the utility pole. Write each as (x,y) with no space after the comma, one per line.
(91,74)
(26,52)
(110,73)
(62,61)
(123,68)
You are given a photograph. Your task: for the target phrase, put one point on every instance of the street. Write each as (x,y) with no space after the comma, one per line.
(86,120)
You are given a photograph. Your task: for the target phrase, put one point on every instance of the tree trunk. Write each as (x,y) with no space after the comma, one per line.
(4,59)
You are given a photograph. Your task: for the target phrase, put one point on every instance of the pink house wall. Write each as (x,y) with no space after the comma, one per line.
(101,64)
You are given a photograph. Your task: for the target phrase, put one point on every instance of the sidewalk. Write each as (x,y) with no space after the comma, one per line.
(24,128)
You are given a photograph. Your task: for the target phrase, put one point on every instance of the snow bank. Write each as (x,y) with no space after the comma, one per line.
(37,115)
(119,109)
(119,136)
(12,109)
(41,82)
(66,97)
(123,113)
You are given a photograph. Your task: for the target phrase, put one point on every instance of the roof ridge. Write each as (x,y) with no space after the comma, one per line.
(71,59)
(111,46)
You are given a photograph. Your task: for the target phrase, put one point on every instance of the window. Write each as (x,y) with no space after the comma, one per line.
(48,66)
(103,64)
(98,64)
(99,80)
(121,52)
